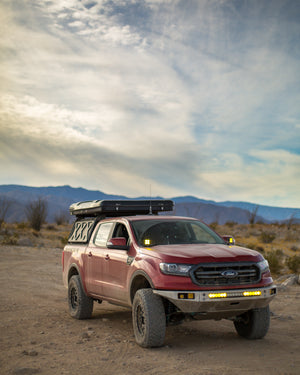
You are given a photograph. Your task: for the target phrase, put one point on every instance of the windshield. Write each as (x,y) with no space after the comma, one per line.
(175,232)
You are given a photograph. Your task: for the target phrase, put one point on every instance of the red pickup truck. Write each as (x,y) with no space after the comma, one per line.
(164,268)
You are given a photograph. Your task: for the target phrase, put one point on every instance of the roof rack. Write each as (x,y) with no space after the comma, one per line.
(111,208)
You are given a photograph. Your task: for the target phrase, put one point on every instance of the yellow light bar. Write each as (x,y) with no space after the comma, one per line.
(217,295)
(250,294)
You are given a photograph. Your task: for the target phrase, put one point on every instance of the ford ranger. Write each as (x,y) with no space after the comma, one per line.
(133,253)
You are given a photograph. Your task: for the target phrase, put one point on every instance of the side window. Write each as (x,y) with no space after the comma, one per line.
(120,231)
(102,234)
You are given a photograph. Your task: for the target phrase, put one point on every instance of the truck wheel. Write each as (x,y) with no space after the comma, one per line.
(253,324)
(80,305)
(148,318)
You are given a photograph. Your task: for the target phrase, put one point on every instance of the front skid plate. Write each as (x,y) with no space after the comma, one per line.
(235,300)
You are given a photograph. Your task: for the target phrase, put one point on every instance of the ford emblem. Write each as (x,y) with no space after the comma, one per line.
(229,274)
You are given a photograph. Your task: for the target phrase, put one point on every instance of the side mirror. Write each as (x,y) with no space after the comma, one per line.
(229,240)
(118,243)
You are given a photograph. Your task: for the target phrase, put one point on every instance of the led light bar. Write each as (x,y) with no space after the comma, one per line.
(217,295)
(251,293)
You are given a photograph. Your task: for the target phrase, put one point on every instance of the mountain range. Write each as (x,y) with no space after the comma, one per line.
(59,199)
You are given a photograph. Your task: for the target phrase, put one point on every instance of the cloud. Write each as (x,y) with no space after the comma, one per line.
(194,98)
(266,176)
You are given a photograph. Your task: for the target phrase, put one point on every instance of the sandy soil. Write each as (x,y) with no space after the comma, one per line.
(39,337)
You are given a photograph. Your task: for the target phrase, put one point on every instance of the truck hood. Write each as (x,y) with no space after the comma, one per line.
(202,253)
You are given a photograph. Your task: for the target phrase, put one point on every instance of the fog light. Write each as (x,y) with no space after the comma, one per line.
(186,296)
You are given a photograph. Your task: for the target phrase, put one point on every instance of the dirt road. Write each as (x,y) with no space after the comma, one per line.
(39,337)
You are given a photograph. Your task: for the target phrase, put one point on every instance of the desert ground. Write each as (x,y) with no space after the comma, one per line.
(38,336)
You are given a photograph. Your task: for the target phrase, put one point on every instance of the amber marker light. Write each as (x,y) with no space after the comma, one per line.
(186,296)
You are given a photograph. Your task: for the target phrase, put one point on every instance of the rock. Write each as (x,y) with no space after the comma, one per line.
(291,280)
(25,242)
(86,335)
(31,353)
(25,371)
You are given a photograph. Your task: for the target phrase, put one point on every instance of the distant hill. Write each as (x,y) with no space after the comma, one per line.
(269,213)
(59,199)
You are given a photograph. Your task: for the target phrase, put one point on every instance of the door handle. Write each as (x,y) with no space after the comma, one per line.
(107,257)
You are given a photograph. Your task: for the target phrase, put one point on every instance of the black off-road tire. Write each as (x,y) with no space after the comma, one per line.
(254,324)
(149,319)
(80,305)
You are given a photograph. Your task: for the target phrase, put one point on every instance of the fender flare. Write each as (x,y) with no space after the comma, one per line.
(134,276)
(70,274)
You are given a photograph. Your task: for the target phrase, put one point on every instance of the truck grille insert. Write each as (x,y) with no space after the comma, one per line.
(223,274)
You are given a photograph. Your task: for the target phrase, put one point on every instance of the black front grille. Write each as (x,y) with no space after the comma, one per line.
(222,274)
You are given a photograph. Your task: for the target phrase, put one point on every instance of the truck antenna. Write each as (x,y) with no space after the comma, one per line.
(150,208)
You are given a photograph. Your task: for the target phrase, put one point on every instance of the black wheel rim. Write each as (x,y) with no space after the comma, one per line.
(74,298)
(140,320)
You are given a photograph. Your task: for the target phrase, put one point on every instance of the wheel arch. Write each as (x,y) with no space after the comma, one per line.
(73,270)
(139,280)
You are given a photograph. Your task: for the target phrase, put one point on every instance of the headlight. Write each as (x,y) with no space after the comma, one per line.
(263,265)
(175,269)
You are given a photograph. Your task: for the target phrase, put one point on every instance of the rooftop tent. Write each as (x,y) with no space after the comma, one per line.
(112,208)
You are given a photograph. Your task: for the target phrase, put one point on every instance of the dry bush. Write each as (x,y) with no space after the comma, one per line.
(293,263)
(61,218)
(51,227)
(252,215)
(36,213)
(274,258)
(267,237)
(5,204)
(64,240)
(22,225)
(8,236)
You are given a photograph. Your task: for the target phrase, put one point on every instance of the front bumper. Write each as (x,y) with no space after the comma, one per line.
(219,303)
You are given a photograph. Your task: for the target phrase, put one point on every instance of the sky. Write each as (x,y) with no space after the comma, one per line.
(164,97)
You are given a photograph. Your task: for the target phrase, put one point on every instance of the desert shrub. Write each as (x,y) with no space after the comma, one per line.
(260,249)
(36,213)
(10,239)
(293,235)
(230,224)
(22,225)
(35,233)
(64,240)
(254,246)
(214,225)
(275,261)
(51,227)
(293,263)
(267,237)
(61,218)
(294,248)
(5,204)
(252,215)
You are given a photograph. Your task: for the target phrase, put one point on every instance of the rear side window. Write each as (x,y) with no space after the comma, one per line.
(82,230)
(103,234)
